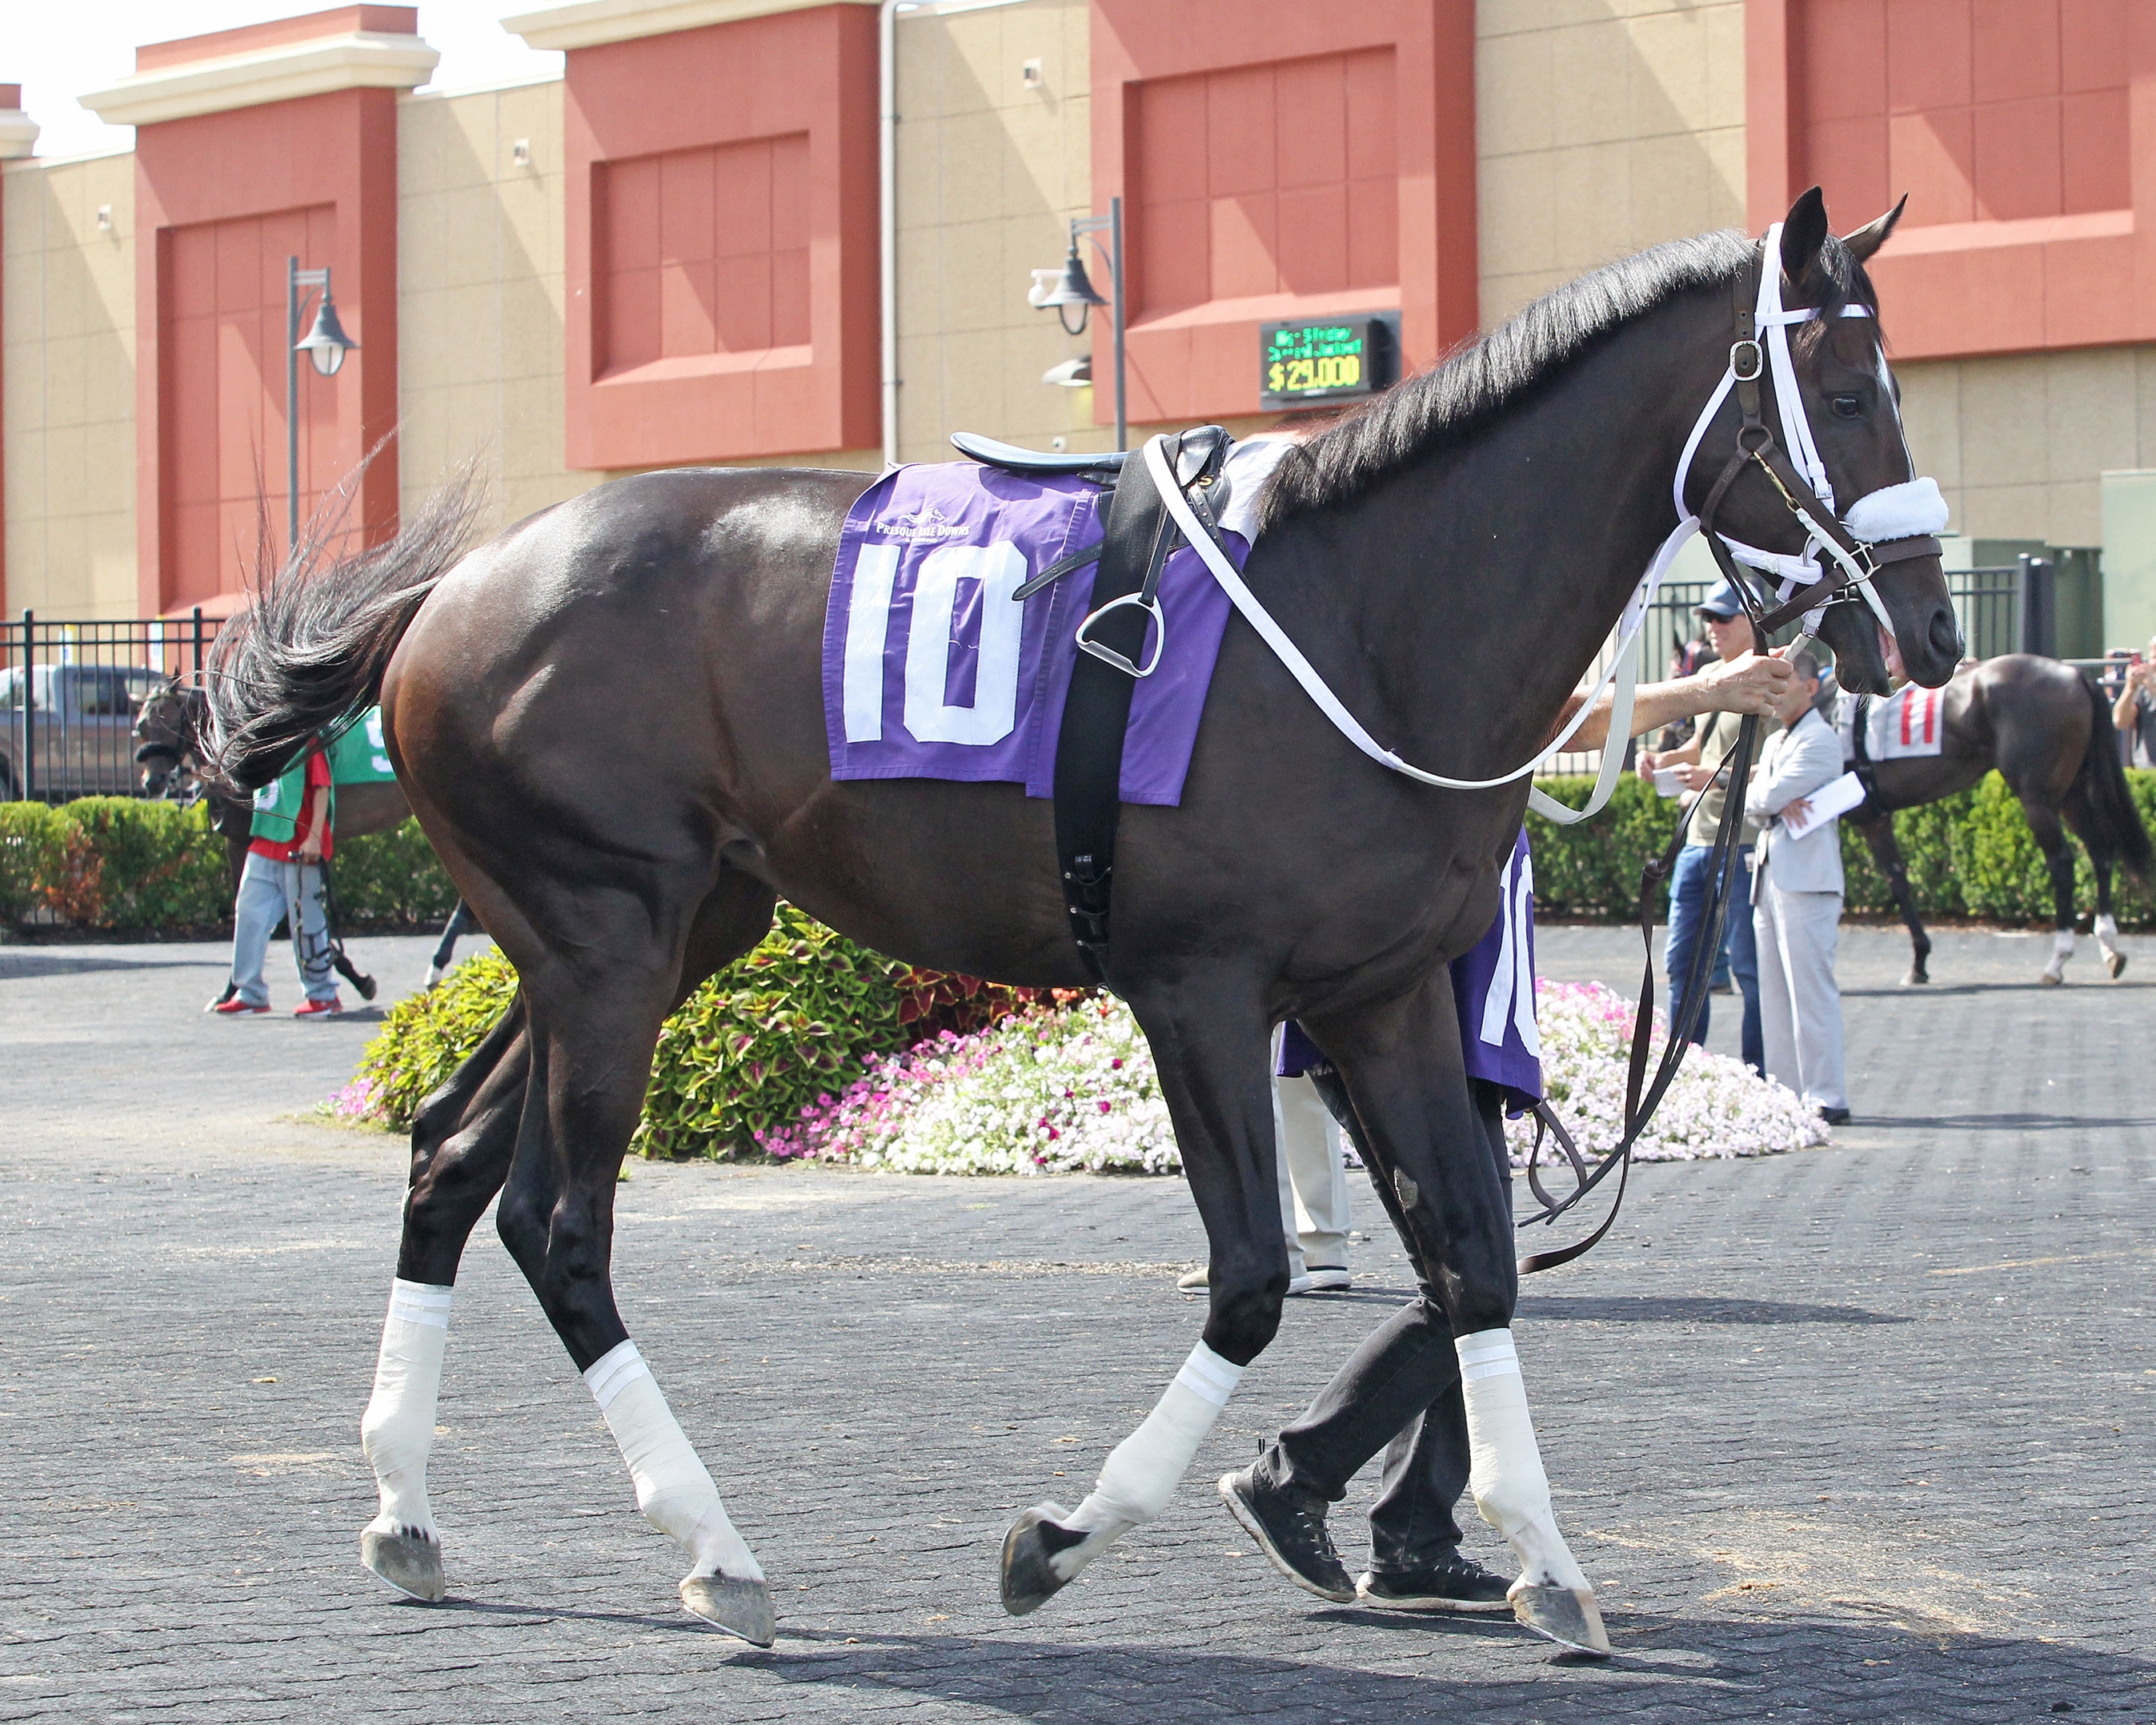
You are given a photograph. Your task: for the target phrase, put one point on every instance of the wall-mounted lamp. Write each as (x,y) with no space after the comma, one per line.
(325,345)
(1070,286)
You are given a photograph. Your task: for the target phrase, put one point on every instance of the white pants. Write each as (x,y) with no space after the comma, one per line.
(1799,1002)
(1315,1206)
(268,890)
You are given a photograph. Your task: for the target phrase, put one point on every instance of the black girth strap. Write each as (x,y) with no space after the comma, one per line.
(1089,747)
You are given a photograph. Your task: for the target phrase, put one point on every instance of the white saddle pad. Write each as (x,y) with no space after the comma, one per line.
(1911,723)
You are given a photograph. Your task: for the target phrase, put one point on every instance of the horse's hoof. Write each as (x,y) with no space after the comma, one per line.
(1568,1615)
(2115,963)
(1916,979)
(1028,1576)
(2050,980)
(408,1562)
(739,1608)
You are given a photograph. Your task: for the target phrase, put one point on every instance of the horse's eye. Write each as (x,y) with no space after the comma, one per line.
(1847,406)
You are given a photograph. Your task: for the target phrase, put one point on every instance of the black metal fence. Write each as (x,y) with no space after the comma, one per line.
(69,694)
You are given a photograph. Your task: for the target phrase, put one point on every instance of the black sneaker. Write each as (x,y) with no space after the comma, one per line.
(1457,1584)
(1290,1529)
(1834,1116)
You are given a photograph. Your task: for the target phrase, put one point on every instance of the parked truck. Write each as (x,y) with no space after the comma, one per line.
(73,737)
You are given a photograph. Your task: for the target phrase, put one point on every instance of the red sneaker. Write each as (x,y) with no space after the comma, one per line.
(328,1009)
(235,1008)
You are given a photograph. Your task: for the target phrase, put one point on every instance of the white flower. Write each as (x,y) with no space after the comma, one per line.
(1062,1091)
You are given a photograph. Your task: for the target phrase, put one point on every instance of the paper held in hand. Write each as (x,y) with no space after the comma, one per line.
(1667,783)
(1837,797)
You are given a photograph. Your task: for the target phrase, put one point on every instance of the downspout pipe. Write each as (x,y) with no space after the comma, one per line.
(887,213)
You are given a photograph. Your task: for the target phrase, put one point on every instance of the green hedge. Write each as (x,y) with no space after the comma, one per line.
(1970,854)
(120,862)
(798,1018)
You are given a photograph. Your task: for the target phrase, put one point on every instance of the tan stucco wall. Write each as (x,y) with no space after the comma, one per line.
(1602,126)
(2017,443)
(69,382)
(989,175)
(480,307)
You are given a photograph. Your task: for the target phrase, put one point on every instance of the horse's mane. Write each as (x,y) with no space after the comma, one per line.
(1480,380)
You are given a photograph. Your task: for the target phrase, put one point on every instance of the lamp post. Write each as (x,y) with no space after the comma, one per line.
(326,345)
(1070,286)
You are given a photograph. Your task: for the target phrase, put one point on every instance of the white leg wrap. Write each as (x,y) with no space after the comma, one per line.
(2107,932)
(1511,1492)
(2062,949)
(1142,1472)
(397,1429)
(674,1489)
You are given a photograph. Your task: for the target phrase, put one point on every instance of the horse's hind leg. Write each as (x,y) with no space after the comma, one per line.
(2059,860)
(1404,1071)
(2102,856)
(461,1143)
(595,1006)
(1211,1058)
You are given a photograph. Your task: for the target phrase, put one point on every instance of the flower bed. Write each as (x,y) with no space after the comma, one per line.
(801,1014)
(1067,1091)
(1716,1107)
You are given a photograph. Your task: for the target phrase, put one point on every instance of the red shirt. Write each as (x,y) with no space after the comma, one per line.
(318,776)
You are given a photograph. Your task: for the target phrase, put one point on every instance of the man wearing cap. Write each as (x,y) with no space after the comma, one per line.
(1729,631)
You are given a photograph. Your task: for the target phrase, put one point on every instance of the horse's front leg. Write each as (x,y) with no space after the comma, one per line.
(2051,834)
(1210,1041)
(1886,853)
(1402,1065)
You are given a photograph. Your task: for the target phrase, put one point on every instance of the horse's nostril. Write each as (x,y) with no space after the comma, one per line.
(1944,634)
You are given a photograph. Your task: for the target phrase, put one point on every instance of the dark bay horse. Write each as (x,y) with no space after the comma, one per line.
(610,721)
(2047,729)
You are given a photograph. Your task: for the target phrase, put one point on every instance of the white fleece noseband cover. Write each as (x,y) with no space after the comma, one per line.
(397,1429)
(1903,511)
(674,1489)
(1142,1471)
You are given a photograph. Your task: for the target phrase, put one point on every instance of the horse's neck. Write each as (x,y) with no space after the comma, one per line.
(1513,555)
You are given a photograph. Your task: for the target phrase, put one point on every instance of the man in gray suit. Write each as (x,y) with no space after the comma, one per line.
(1796,897)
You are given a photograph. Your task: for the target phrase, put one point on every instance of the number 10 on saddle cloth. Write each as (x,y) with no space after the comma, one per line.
(932,671)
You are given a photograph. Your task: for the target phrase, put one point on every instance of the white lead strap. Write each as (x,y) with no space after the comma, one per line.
(1624,669)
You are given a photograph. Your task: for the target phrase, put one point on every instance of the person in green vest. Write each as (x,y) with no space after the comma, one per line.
(282,877)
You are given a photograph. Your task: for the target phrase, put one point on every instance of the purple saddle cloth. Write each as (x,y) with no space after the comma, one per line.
(1493,985)
(931,671)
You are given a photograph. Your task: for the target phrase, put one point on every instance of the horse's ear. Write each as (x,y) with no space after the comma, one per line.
(1803,231)
(1868,239)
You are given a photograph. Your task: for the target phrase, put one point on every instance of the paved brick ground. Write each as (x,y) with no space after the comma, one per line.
(1859,1434)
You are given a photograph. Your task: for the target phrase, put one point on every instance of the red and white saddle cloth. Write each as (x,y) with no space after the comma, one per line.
(1912,722)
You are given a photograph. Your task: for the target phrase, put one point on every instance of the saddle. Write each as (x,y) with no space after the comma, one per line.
(1136,542)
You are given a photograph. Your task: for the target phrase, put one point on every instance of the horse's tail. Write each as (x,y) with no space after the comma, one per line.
(2111,803)
(311,650)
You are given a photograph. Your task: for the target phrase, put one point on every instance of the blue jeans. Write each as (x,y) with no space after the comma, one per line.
(268,890)
(1688,891)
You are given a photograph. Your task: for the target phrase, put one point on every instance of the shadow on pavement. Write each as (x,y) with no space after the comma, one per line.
(1665,1668)
(2004,1122)
(17,961)
(1692,1309)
